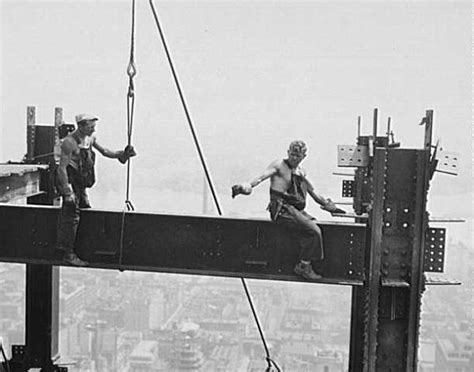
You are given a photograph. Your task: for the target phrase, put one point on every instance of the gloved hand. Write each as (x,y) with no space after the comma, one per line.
(331,207)
(126,154)
(244,188)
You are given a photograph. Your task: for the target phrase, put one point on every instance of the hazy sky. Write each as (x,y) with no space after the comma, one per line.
(256,75)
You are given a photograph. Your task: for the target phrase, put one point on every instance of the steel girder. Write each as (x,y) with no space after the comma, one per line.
(180,244)
(20,181)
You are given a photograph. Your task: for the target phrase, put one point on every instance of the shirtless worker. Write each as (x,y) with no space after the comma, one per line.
(75,173)
(288,189)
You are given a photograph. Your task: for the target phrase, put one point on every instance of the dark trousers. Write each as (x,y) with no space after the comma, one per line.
(68,221)
(303,225)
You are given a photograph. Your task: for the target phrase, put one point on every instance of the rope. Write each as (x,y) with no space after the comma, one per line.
(270,362)
(186,111)
(4,356)
(262,336)
(131,72)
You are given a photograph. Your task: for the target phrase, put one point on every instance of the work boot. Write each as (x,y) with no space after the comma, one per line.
(306,271)
(72,259)
(84,200)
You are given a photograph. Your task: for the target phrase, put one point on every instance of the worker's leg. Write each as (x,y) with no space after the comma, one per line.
(312,238)
(68,222)
(83,198)
(309,239)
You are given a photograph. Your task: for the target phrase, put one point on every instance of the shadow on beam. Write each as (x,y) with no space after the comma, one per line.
(219,246)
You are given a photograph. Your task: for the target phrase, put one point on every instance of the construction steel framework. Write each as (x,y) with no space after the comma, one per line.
(383,254)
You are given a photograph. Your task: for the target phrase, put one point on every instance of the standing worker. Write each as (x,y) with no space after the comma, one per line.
(75,173)
(288,188)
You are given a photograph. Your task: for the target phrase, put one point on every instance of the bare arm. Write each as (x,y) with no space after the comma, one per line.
(316,197)
(246,187)
(67,147)
(105,151)
(326,204)
(270,171)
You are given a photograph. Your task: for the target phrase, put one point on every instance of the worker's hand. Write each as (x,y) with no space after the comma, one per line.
(126,154)
(244,188)
(69,199)
(331,207)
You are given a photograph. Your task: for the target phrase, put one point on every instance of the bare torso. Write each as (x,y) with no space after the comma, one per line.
(281,179)
(75,143)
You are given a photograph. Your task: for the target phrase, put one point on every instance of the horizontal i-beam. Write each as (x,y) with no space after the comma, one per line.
(221,246)
(19,181)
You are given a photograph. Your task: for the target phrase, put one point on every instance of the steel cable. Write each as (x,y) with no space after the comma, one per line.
(131,72)
(270,362)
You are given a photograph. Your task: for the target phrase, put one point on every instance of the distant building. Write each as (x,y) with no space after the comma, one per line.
(157,311)
(426,356)
(454,352)
(144,358)
(186,354)
(328,361)
(71,300)
(136,315)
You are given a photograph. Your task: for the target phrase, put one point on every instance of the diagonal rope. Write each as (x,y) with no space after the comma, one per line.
(186,111)
(5,359)
(270,362)
(262,336)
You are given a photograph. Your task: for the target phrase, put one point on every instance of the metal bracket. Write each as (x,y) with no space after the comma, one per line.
(352,156)
(434,250)
(348,188)
(448,162)
(18,352)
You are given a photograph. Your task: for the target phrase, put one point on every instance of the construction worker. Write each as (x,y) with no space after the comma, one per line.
(75,173)
(288,189)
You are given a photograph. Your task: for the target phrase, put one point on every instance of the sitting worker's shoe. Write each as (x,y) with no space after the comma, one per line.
(84,204)
(306,271)
(84,200)
(72,259)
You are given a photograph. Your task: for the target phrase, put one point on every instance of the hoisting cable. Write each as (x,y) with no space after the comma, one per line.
(131,72)
(270,362)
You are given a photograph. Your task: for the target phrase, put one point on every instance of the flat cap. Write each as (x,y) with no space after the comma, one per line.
(84,117)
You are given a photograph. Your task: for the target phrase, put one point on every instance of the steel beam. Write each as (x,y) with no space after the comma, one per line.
(20,181)
(42,315)
(42,281)
(180,244)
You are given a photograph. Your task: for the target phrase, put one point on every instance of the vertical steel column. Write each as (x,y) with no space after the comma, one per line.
(42,305)
(417,280)
(30,132)
(373,281)
(42,281)
(357,342)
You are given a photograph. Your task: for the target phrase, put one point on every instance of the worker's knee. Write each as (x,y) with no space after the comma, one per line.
(313,229)
(317,230)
